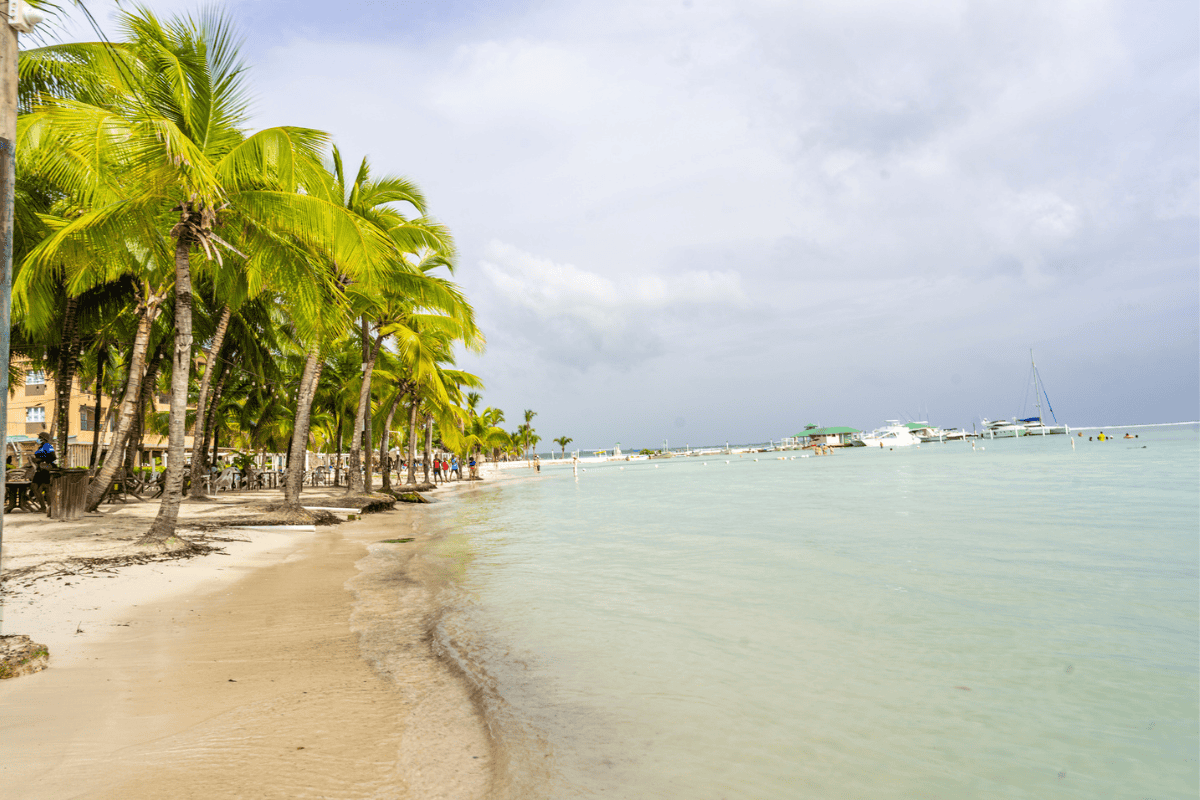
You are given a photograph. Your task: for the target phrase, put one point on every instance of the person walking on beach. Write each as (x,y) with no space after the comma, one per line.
(456,467)
(437,470)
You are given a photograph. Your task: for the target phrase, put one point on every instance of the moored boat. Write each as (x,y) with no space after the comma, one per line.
(1002,428)
(894,434)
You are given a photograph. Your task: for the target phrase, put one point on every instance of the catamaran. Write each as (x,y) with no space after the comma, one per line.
(1029,426)
(1036,426)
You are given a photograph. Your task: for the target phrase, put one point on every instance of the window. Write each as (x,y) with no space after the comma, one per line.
(87,418)
(35,376)
(35,414)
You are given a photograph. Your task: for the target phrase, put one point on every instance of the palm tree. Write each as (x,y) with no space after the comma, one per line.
(163,168)
(335,393)
(526,432)
(562,442)
(374,200)
(483,432)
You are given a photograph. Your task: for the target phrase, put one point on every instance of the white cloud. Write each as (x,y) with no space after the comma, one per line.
(548,288)
(763,183)
(583,317)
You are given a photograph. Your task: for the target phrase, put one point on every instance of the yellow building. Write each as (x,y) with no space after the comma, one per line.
(32,406)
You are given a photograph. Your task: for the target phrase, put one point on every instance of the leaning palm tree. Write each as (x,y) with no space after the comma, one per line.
(165,172)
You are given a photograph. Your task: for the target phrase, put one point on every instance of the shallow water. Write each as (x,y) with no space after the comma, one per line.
(1018,620)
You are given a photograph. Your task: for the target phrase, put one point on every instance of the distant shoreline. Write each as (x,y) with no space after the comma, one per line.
(754,447)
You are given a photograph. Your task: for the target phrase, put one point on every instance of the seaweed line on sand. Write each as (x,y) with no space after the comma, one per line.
(23,577)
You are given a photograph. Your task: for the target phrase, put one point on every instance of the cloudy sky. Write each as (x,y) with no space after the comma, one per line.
(711,220)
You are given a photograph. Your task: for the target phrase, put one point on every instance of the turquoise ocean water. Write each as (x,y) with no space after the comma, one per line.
(1014,621)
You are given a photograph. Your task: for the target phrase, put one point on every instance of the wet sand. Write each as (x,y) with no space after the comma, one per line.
(285,668)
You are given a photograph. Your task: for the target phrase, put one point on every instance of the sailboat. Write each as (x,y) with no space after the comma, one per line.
(1036,426)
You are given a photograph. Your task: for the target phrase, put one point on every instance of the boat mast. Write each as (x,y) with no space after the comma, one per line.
(1037,390)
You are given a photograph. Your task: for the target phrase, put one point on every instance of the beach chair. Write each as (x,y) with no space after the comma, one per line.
(227,479)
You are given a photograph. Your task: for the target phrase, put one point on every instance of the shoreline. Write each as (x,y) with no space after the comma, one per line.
(335,687)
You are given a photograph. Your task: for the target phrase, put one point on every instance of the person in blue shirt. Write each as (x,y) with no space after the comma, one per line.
(455,467)
(44,457)
(45,453)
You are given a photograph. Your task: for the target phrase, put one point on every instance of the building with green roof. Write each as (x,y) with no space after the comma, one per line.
(837,436)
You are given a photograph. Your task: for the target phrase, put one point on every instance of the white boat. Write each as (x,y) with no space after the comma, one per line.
(943,435)
(1036,428)
(1002,428)
(894,434)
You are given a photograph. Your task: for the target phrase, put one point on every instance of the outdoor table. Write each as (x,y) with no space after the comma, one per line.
(18,496)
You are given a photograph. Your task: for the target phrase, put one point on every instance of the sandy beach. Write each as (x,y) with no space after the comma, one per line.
(256,670)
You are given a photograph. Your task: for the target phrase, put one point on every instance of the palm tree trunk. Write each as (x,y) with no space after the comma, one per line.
(428,443)
(383,444)
(181,363)
(361,438)
(200,449)
(101,357)
(412,443)
(137,357)
(68,360)
(299,444)
(337,461)
(198,491)
(147,395)
(368,450)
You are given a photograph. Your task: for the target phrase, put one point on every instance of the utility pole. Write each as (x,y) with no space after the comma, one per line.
(20,17)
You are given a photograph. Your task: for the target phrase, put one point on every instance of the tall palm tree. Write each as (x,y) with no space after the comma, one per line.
(526,432)
(163,169)
(375,200)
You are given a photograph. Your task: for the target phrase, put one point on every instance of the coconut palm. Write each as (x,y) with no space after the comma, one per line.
(562,442)
(526,432)
(164,170)
(375,200)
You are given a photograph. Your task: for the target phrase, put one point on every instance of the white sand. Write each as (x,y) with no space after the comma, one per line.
(234,674)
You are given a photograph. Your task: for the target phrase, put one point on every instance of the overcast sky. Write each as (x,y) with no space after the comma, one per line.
(711,220)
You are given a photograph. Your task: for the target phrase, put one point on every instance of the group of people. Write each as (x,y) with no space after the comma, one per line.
(1102,437)
(444,470)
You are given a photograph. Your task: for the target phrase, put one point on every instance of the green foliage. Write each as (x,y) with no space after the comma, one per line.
(131,153)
